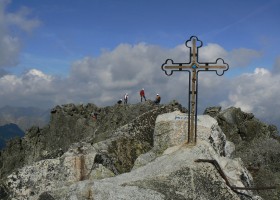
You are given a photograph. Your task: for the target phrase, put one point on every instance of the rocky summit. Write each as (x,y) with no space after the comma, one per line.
(140,152)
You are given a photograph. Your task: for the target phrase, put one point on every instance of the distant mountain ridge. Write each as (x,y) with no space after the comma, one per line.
(8,132)
(24,117)
(15,120)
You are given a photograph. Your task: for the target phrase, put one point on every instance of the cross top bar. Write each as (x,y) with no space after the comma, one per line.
(219,66)
(193,67)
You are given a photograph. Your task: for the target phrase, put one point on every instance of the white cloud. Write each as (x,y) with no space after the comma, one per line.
(235,58)
(22,19)
(256,92)
(29,86)
(35,74)
(211,52)
(128,68)
(242,57)
(9,50)
(10,45)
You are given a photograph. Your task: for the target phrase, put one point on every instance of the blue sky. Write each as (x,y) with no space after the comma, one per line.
(70,30)
(58,51)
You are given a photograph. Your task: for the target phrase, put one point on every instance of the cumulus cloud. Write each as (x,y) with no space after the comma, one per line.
(10,45)
(235,58)
(9,50)
(242,57)
(105,79)
(211,52)
(125,69)
(32,88)
(22,19)
(128,68)
(131,67)
(257,92)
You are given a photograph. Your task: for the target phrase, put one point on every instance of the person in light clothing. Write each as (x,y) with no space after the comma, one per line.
(125,98)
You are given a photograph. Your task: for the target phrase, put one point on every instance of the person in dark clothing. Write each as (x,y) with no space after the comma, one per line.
(157,100)
(119,101)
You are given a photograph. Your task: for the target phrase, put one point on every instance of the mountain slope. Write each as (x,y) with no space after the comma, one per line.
(167,171)
(74,123)
(127,151)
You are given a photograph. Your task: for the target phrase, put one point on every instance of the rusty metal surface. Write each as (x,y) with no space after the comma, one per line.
(193,67)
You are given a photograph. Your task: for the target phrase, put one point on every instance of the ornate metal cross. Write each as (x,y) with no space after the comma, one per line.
(193,67)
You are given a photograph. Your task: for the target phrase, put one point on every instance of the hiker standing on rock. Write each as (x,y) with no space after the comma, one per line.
(125,98)
(142,94)
(158,98)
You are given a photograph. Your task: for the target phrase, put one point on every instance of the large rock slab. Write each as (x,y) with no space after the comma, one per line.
(171,129)
(173,175)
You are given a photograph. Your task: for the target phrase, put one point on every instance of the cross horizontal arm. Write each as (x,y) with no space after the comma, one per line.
(214,67)
(198,67)
(219,66)
(178,67)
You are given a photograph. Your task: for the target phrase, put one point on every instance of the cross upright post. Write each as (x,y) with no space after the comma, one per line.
(193,67)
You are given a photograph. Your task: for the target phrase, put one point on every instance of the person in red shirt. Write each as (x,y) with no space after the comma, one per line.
(142,94)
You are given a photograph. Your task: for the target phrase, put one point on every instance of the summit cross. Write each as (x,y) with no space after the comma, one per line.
(193,67)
